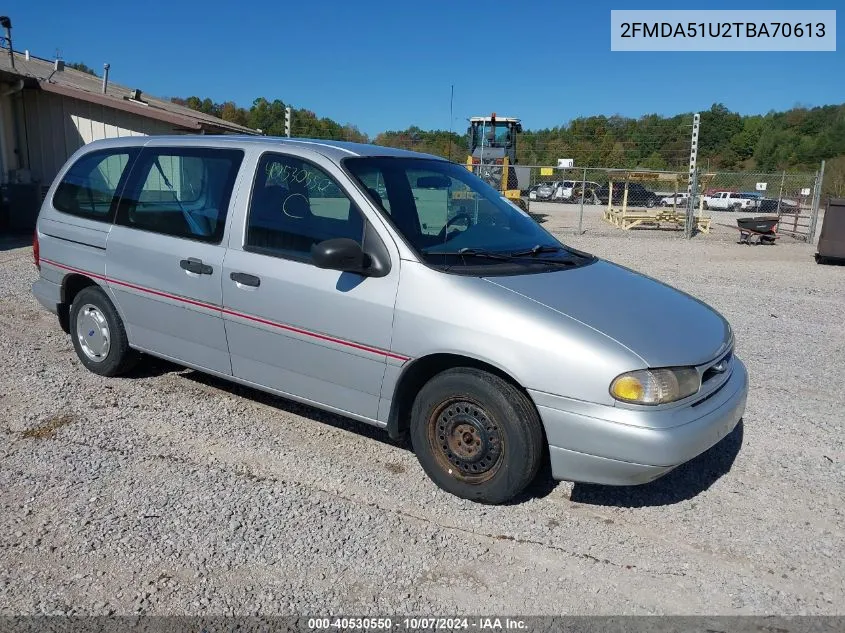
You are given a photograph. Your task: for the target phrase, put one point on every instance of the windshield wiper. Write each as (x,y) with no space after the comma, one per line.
(474,252)
(536,250)
(508,257)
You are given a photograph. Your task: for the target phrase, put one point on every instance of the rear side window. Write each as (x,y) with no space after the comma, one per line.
(184,192)
(90,186)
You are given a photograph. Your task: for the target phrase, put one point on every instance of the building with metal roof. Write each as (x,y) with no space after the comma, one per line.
(49,110)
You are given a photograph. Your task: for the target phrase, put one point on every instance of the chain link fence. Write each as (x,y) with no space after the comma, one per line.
(790,198)
(605,200)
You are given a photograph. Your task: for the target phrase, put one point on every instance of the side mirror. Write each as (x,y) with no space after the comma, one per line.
(341,254)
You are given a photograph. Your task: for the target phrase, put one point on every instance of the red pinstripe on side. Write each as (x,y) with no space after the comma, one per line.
(241,315)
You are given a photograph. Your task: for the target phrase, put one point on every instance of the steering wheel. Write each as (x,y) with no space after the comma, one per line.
(443,235)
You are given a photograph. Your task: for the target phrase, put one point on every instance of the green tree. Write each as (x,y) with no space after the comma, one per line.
(654,161)
(834,178)
(82,68)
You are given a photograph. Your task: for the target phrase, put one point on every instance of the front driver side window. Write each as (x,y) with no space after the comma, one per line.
(296,204)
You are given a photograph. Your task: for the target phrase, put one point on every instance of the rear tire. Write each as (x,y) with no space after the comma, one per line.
(98,335)
(476,435)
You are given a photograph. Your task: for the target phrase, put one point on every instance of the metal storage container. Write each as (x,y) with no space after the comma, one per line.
(832,237)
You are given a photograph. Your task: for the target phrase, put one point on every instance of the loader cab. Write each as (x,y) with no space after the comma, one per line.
(493,138)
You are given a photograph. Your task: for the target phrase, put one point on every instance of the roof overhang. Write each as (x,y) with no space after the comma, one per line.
(149,111)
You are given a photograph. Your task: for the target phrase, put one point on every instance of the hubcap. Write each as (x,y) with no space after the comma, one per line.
(92,331)
(465,440)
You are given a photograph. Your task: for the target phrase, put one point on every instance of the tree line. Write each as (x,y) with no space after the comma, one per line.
(269,117)
(795,140)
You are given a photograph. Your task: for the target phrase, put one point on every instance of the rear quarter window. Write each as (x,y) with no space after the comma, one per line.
(89,189)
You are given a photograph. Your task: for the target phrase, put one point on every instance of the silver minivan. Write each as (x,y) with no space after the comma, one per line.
(392,287)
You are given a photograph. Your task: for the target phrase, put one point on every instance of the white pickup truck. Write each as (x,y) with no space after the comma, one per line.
(731,201)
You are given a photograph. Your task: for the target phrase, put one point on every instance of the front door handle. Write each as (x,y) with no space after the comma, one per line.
(194,265)
(245,279)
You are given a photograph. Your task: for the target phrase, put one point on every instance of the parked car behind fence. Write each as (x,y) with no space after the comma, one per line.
(638,195)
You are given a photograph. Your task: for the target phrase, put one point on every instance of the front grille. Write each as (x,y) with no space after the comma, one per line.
(711,373)
(712,380)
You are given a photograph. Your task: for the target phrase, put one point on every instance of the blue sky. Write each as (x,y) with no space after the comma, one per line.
(388,64)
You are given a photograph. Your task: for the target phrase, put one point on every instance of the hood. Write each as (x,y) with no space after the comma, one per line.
(663,326)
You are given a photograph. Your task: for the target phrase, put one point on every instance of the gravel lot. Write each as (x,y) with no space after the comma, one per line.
(169,492)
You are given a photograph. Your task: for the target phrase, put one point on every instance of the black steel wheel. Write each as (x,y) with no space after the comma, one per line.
(477,435)
(465,440)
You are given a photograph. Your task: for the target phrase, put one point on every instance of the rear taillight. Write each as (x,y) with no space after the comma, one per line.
(36,251)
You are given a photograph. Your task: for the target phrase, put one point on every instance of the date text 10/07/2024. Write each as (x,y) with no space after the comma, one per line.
(417,623)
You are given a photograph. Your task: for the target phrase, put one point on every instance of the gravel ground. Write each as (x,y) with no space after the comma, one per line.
(169,492)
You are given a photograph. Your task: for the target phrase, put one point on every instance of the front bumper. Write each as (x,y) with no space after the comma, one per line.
(603,444)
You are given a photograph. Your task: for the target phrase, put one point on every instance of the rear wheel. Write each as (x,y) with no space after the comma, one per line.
(98,335)
(476,435)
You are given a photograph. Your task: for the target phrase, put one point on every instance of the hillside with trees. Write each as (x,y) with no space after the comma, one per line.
(795,140)
(269,117)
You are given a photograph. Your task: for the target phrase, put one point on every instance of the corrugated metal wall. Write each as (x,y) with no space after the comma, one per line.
(56,126)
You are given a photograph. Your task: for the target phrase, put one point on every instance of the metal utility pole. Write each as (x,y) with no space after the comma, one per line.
(817,196)
(581,211)
(780,193)
(692,181)
(6,23)
(451,121)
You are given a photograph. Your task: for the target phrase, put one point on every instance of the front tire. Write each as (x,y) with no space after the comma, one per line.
(98,335)
(476,435)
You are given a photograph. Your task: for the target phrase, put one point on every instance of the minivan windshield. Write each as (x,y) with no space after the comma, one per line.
(452,218)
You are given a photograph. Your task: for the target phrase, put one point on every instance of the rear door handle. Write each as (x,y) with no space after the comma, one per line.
(245,279)
(194,265)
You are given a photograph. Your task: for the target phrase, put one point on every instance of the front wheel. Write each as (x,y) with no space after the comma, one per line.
(476,435)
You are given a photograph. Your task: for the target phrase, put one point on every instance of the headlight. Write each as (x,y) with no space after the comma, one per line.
(656,386)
